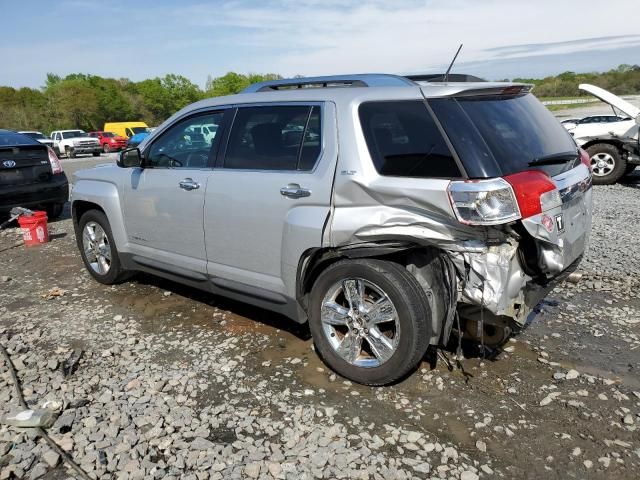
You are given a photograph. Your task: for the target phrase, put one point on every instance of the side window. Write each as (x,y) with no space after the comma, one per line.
(274,138)
(404,141)
(184,145)
(128,132)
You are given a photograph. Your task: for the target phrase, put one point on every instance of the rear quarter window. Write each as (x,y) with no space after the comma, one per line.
(404,140)
(501,135)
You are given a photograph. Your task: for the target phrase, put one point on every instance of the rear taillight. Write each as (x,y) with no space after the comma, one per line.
(584,158)
(503,200)
(535,192)
(56,166)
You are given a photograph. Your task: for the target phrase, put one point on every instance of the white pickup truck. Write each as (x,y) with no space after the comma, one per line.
(613,147)
(73,142)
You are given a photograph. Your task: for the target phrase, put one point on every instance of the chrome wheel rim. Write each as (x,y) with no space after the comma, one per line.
(360,322)
(97,249)
(602,164)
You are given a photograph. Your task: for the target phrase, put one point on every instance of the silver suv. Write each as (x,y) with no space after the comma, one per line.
(388,213)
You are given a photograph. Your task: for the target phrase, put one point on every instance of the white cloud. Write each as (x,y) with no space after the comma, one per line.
(312,37)
(317,37)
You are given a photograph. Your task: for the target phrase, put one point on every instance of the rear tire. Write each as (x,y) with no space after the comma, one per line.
(54,210)
(607,164)
(99,254)
(383,340)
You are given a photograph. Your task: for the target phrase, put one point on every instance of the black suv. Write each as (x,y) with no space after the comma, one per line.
(31,175)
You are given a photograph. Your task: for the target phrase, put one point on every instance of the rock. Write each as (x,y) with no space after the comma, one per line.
(413,437)
(468,475)
(252,470)
(628,419)
(587,464)
(200,443)
(5,278)
(482,446)
(572,375)
(275,469)
(52,458)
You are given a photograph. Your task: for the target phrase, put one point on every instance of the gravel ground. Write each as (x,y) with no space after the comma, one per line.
(179,384)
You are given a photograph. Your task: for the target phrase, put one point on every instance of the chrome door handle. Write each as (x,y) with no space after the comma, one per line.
(293,190)
(188,184)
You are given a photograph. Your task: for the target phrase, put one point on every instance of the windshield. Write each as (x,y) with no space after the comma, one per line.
(501,135)
(73,134)
(139,129)
(34,135)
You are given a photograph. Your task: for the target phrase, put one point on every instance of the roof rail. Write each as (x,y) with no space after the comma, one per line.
(440,77)
(336,81)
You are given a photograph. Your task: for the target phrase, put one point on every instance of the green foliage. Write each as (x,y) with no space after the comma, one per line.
(232,83)
(88,101)
(624,80)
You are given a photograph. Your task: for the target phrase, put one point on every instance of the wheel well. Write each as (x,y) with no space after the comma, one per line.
(80,207)
(417,259)
(614,143)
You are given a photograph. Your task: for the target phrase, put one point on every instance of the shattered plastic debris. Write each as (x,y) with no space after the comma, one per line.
(42,417)
(53,293)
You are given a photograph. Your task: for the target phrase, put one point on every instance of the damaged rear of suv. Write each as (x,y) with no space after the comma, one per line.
(405,213)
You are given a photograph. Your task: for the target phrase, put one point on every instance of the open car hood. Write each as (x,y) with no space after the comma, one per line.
(613,100)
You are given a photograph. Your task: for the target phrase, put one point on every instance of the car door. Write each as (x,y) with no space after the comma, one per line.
(270,196)
(164,200)
(56,137)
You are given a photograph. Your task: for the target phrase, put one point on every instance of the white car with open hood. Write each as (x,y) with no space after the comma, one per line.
(613,147)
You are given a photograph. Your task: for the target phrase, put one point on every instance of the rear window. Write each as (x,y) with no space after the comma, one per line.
(501,135)
(404,140)
(9,139)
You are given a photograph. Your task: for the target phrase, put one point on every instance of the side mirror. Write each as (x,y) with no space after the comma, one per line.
(130,158)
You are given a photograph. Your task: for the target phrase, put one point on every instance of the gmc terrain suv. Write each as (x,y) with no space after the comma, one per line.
(389,214)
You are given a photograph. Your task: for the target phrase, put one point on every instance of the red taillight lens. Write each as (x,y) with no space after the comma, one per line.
(56,166)
(535,192)
(584,158)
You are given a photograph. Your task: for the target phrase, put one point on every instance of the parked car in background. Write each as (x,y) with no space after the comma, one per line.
(612,144)
(138,138)
(386,213)
(73,142)
(572,123)
(38,136)
(109,141)
(31,175)
(125,129)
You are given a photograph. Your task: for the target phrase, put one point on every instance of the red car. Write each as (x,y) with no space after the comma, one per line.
(109,141)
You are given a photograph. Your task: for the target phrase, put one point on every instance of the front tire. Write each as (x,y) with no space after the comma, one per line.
(97,154)
(370,320)
(607,164)
(69,152)
(97,248)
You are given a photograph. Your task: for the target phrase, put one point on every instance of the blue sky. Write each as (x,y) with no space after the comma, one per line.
(142,39)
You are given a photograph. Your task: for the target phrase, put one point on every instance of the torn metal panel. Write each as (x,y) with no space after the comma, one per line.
(494,279)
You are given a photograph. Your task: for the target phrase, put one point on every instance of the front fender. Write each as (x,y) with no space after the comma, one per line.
(106,196)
